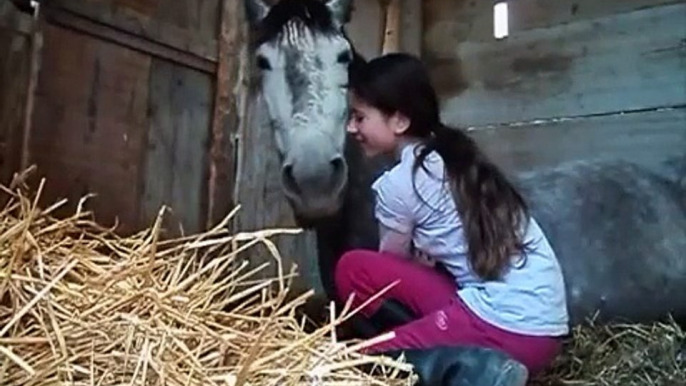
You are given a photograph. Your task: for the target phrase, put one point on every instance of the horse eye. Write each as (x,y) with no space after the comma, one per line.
(345,57)
(263,63)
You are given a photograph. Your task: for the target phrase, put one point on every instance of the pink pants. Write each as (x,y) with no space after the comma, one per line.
(443,318)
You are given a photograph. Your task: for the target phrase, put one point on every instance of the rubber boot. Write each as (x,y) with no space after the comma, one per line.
(391,314)
(463,366)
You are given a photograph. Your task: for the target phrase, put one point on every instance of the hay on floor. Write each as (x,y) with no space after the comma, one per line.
(621,355)
(81,306)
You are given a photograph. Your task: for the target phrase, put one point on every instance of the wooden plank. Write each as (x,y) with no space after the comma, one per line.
(139,18)
(34,69)
(90,124)
(529,14)
(620,63)
(79,23)
(13,20)
(366,28)
(447,22)
(14,75)
(227,115)
(646,138)
(202,17)
(176,156)
(411,31)
(392,24)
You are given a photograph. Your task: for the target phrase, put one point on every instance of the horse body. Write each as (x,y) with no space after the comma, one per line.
(619,230)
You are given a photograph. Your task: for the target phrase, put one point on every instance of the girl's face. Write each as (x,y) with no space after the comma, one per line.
(376,132)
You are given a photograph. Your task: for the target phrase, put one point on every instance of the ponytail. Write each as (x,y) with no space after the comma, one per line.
(493,213)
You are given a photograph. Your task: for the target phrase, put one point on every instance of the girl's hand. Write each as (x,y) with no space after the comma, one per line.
(424,259)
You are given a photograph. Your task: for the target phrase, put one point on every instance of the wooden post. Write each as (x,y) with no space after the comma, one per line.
(36,50)
(225,121)
(391,41)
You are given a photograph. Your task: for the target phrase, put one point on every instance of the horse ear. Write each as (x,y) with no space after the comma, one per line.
(340,10)
(255,10)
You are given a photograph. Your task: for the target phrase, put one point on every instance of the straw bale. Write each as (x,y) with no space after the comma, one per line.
(80,305)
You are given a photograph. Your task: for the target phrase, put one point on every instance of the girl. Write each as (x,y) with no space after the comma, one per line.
(444,199)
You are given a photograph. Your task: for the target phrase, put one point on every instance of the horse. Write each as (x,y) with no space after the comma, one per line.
(618,228)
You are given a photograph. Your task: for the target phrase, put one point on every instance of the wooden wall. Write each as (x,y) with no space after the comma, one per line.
(574,79)
(15,45)
(124,107)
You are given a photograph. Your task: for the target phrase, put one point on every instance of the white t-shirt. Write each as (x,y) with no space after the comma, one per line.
(529,299)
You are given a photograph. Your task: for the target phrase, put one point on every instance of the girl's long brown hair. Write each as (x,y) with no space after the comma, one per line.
(493,212)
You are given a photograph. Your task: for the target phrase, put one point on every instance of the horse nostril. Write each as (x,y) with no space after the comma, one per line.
(289,180)
(338,177)
(337,164)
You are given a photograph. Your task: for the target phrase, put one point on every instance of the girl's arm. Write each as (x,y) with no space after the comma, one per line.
(397,243)
(400,244)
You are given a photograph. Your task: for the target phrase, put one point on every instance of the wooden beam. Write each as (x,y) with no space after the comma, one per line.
(91,27)
(391,41)
(225,121)
(646,138)
(35,65)
(13,20)
(366,28)
(146,26)
(412,27)
(15,68)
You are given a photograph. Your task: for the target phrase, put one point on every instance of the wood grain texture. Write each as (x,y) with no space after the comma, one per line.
(227,114)
(111,34)
(447,22)
(366,28)
(14,75)
(452,21)
(646,138)
(13,20)
(90,124)
(631,61)
(187,25)
(411,27)
(528,14)
(392,26)
(176,152)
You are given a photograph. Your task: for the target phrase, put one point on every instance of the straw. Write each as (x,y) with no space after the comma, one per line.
(81,305)
(618,354)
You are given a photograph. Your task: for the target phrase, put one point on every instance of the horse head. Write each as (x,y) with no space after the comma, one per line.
(303,55)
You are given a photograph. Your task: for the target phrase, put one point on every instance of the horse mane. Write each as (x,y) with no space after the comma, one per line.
(312,14)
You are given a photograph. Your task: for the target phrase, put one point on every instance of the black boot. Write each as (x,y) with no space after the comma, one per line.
(390,314)
(463,366)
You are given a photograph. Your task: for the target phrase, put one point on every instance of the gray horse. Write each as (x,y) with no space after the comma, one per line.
(619,229)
